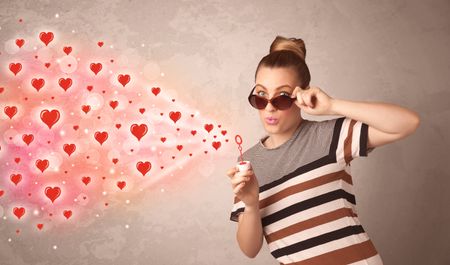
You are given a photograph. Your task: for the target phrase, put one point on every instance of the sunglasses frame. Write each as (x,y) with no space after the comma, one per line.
(269,100)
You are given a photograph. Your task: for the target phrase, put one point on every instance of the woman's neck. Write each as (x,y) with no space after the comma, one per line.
(275,140)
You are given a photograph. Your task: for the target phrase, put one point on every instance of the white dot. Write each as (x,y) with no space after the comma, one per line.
(86,130)
(127,201)
(36,212)
(72,113)
(55,246)
(57,15)
(58,60)
(162,74)
(73,31)
(35,183)
(62,133)
(127,226)
(63,182)
(153,148)
(4,217)
(34,48)
(142,45)
(162,190)
(9,239)
(112,171)
(97,215)
(111,46)
(75,200)
(104,193)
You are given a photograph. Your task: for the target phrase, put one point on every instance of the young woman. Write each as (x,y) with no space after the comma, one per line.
(299,192)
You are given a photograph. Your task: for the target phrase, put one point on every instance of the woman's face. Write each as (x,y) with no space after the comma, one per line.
(272,82)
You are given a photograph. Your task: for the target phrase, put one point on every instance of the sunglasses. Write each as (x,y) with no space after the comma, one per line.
(282,102)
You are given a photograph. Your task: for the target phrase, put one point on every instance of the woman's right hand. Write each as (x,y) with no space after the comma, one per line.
(245,186)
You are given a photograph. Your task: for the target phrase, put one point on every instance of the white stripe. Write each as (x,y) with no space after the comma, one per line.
(355,139)
(307,194)
(324,248)
(314,232)
(374,260)
(308,214)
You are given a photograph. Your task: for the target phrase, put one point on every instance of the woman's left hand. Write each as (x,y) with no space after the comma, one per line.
(313,100)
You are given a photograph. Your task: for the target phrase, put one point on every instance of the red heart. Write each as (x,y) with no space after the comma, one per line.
(17,160)
(118,125)
(208,127)
(15,178)
(100,43)
(67,50)
(27,138)
(175,116)
(19,212)
(121,184)
(86,108)
(101,137)
(49,117)
(75,127)
(156,90)
(37,83)
(89,88)
(179,147)
(42,164)
(69,148)
(46,37)
(115,160)
(2,89)
(20,42)
(163,139)
(96,67)
(65,83)
(86,180)
(143,167)
(216,145)
(123,79)
(114,103)
(47,65)
(15,68)
(138,130)
(224,132)
(52,193)
(40,226)
(193,132)
(67,213)
(1,193)
(10,111)
(142,110)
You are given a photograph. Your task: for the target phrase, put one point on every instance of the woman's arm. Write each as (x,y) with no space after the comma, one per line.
(387,122)
(249,233)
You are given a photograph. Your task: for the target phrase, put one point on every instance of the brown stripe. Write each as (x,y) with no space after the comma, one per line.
(345,255)
(313,222)
(305,186)
(348,143)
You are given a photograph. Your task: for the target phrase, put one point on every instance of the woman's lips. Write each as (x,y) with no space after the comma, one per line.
(271,121)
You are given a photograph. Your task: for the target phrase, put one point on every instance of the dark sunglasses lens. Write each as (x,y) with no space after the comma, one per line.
(258,102)
(282,102)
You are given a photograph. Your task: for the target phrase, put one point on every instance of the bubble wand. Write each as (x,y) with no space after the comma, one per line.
(243,165)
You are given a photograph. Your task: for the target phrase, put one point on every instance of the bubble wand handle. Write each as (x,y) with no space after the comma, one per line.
(238,140)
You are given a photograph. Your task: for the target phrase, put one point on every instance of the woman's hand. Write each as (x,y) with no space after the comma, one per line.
(245,186)
(313,101)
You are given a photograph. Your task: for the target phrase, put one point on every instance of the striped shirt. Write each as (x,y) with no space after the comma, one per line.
(306,200)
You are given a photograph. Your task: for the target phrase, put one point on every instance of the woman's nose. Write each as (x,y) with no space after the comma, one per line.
(270,107)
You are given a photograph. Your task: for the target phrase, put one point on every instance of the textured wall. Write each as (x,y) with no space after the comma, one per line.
(391,51)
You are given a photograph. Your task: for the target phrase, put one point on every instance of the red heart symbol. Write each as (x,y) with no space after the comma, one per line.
(208,127)
(50,117)
(17,160)
(10,111)
(114,103)
(223,132)
(179,147)
(15,178)
(89,88)
(193,132)
(20,42)
(138,130)
(115,160)
(86,108)
(2,89)
(143,167)
(65,83)
(163,139)
(69,148)
(101,137)
(142,110)
(121,184)
(123,79)
(204,140)
(86,180)
(67,213)
(1,193)
(52,193)
(192,115)
(156,90)
(67,50)
(75,127)
(40,226)
(46,37)
(96,67)
(47,65)
(216,145)
(19,212)
(100,43)
(15,68)
(42,164)
(118,125)
(175,116)
(37,83)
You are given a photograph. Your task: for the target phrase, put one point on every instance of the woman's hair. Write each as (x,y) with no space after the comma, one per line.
(290,53)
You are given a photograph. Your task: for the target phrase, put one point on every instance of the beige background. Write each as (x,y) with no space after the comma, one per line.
(390,51)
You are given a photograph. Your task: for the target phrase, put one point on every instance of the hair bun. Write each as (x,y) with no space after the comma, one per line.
(290,44)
